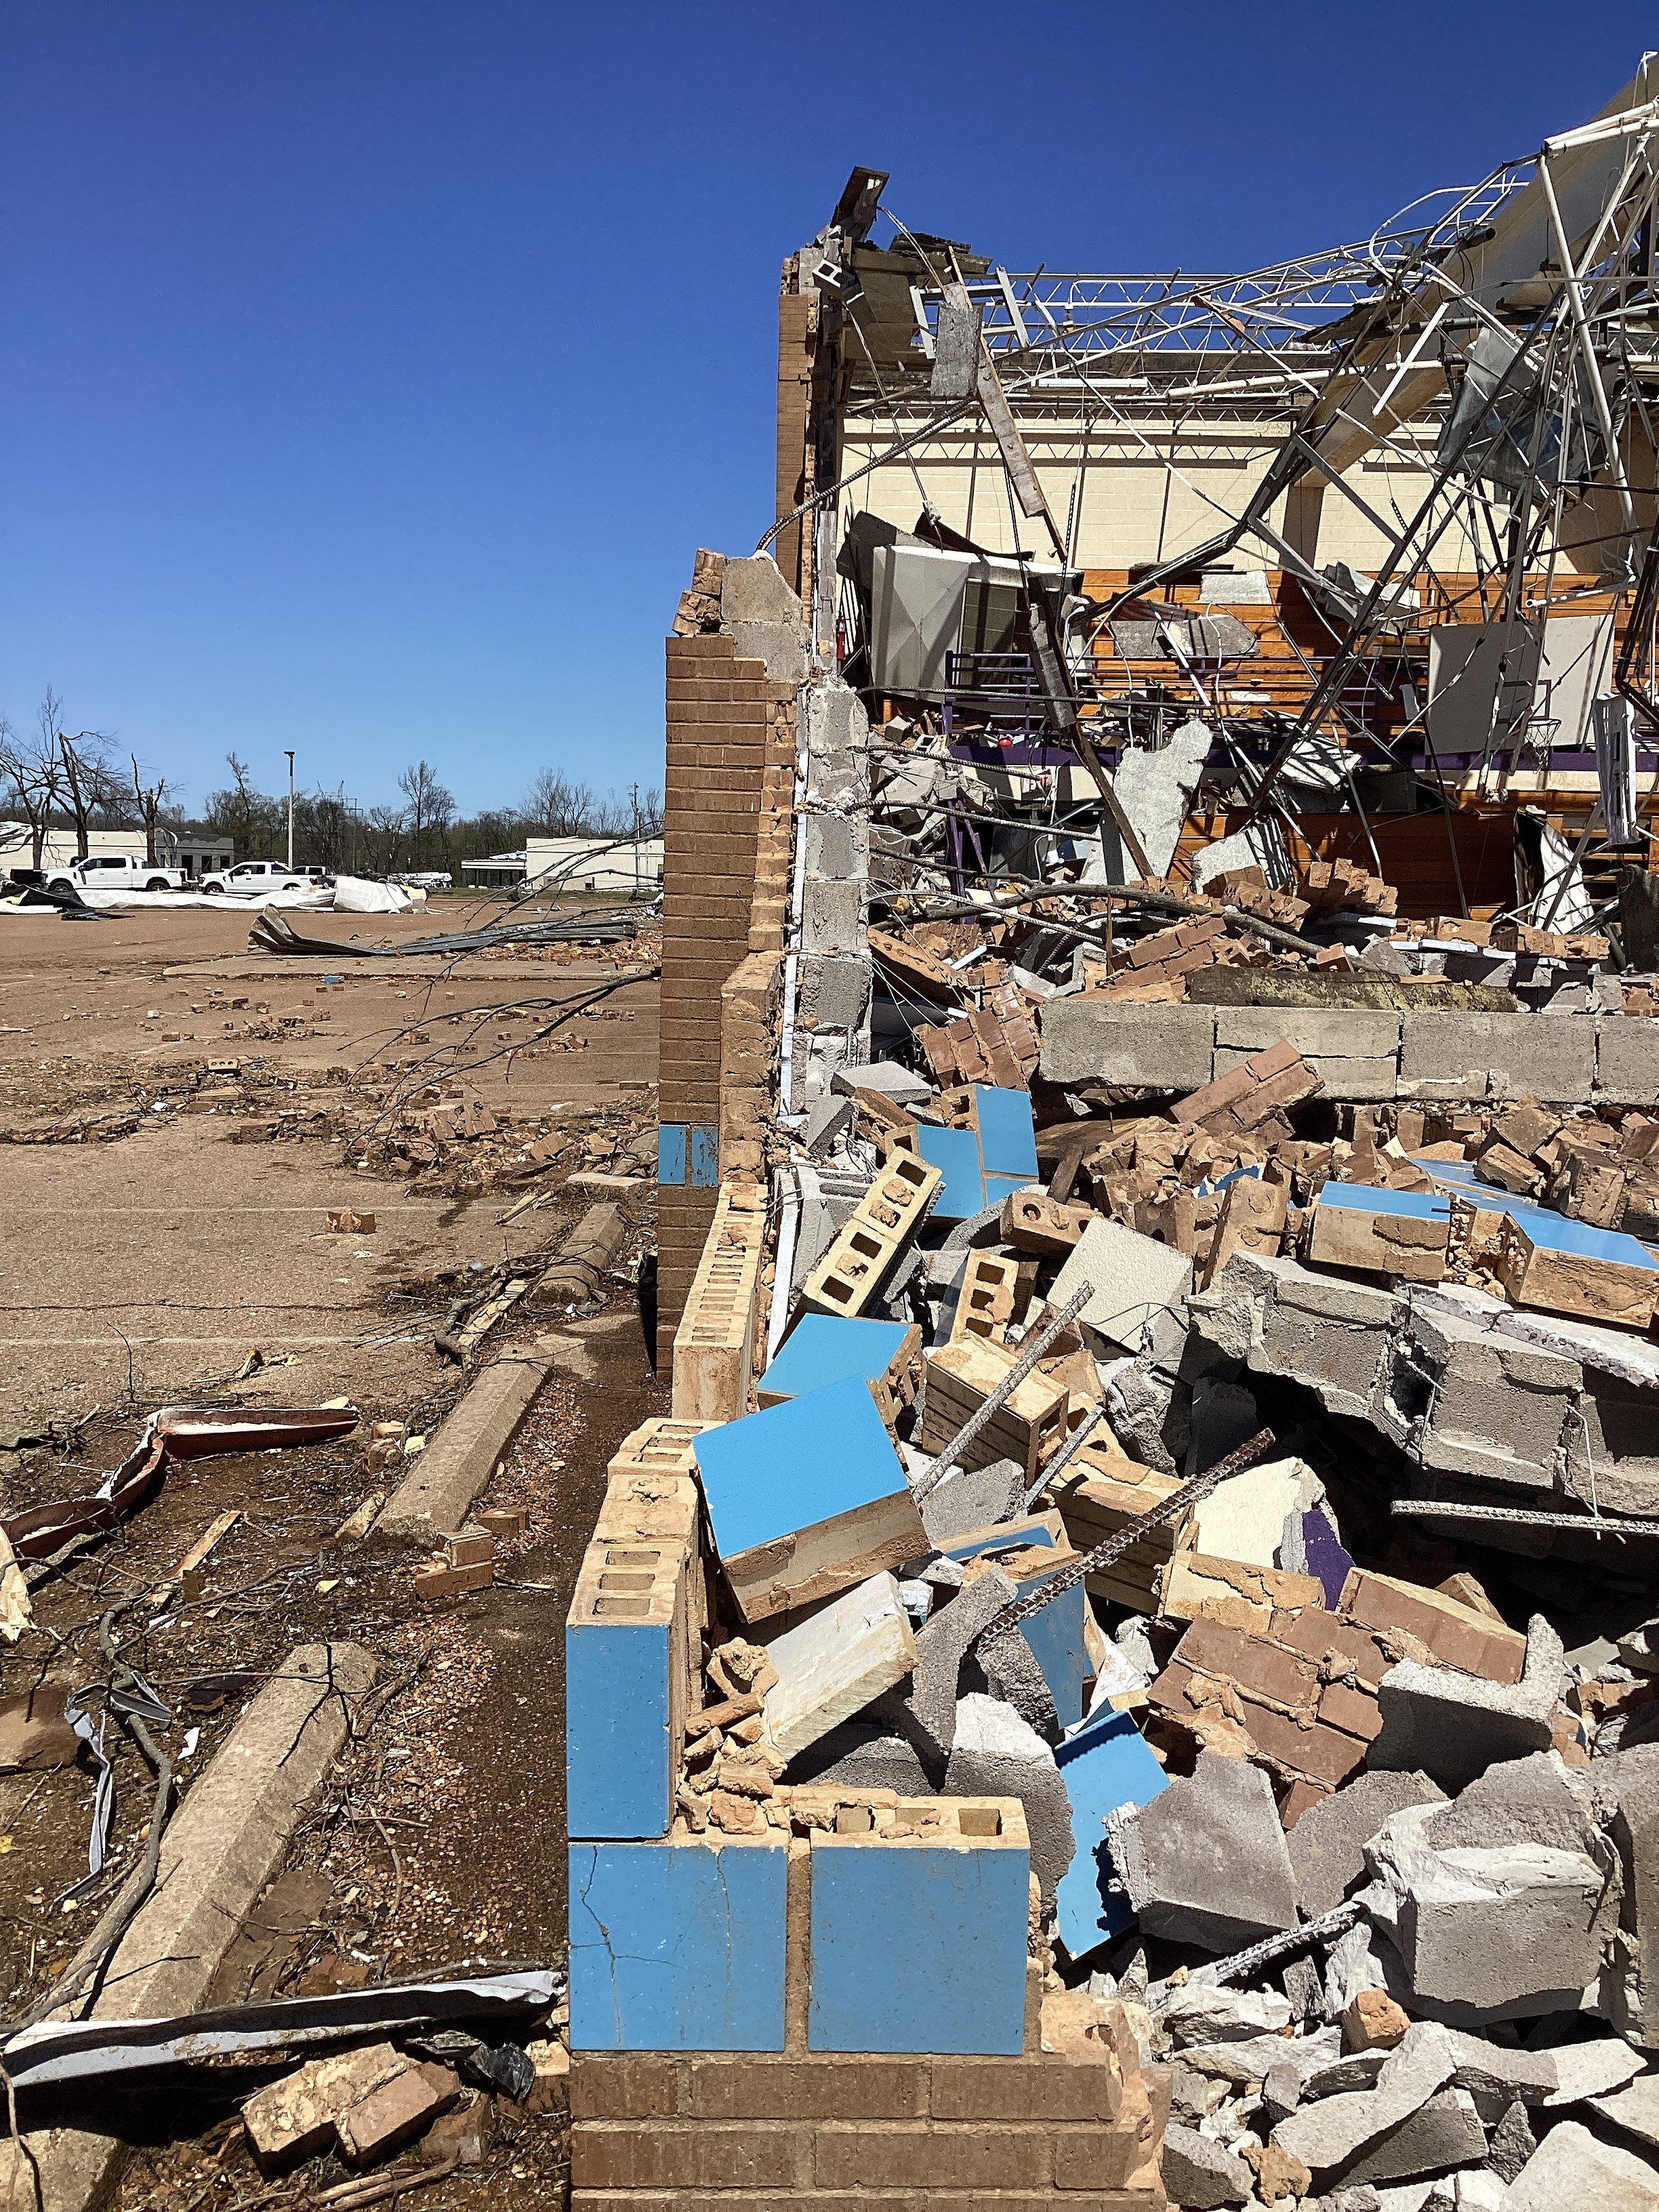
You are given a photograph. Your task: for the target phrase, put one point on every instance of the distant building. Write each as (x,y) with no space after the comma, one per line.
(632,869)
(62,846)
(499,872)
(195,854)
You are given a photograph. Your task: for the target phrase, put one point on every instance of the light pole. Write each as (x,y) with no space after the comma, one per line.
(289,750)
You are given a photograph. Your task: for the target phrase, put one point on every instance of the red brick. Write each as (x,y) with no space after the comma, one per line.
(807,2088)
(1047,2088)
(690,2155)
(627,2084)
(911,2155)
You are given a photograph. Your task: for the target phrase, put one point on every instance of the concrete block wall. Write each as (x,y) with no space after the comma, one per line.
(834,974)
(1566,1059)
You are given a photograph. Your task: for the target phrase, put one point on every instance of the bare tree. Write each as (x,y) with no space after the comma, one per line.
(150,799)
(430,806)
(241,812)
(556,807)
(34,781)
(386,831)
(88,773)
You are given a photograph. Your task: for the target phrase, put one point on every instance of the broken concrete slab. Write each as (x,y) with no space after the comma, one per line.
(1243,1518)
(996,1754)
(1594,2068)
(1200,2012)
(1500,2074)
(1504,1932)
(223,1844)
(926,1715)
(1103,1040)
(1206,1862)
(973,1498)
(830,1666)
(1155,789)
(1328,2135)
(860,1754)
(1328,1843)
(1444,2132)
(1136,1279)
(1634,2110)
(1452,1726)
(1572,2167)
(887,1077)
(459,1460)
(1202,2173)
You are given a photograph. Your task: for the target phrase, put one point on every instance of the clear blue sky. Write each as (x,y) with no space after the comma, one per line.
(372,368)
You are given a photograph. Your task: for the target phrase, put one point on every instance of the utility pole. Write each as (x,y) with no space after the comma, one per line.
(634,794)
(289,750)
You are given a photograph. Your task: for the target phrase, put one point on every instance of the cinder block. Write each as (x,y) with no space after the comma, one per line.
(825,1348)
(1627,1065)
(1316,1032)
(1474,1055)
(627,1641)
(919,1941)
(678,1946)
(1095,1041)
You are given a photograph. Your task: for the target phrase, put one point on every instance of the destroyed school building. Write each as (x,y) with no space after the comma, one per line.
(1131,1674)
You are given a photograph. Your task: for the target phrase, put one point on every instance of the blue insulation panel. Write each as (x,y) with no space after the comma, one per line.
(955,1152)
(824,1348)
(671,1152)
(678,1946)
(619,1745)
(789,1467)
(1008,1137)
(1103,1765)
(917,1947)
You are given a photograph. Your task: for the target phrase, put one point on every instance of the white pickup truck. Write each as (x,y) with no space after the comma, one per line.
(105,872)
(253,879)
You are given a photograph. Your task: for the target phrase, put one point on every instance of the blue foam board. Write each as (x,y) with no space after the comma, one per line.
(1549,1230)
(994,1539)
(955,1152)
(825,1348)
(1377,1197)
(1008,1137)
(619,1745)
(1103,1765)
(791,1465)
(917,1947)
(671,1152)
(678,1946)
(1056,1638)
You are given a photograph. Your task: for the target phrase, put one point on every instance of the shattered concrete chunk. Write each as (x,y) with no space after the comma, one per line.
(1328,1843)
(1452,1726)
(1493,1934)
(1511,2144)
(1206,1862)
(926,1714)
(1198,2012)
(1595,2069)
(1202,2173)
(1633,2111)
(996,1754)
(1329,2134)
(1572,2167)
(860,1756)
(1445,2131)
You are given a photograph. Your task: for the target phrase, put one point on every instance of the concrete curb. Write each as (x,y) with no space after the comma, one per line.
(435,1497)
(223,1844)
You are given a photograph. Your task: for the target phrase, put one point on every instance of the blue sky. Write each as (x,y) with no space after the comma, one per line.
(371,371)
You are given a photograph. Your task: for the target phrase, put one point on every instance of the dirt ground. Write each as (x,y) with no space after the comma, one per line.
(182,1256)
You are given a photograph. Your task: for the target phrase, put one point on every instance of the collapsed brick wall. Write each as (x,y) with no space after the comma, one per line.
(726,844)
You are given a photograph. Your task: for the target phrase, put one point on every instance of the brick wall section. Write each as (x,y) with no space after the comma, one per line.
(719,737)
(735,2133)
(798,323)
